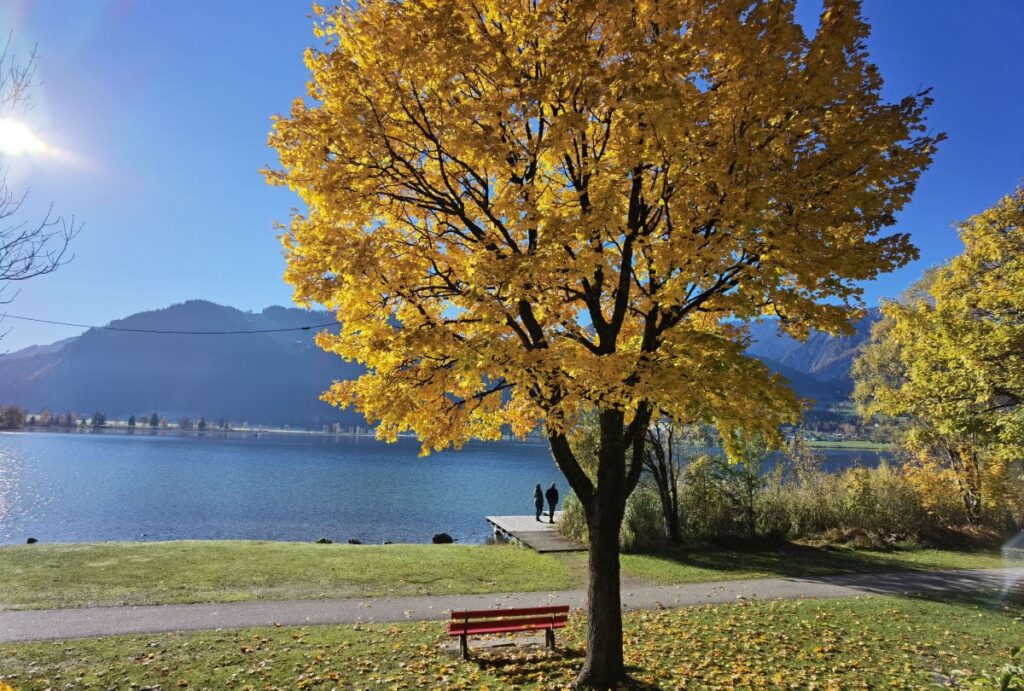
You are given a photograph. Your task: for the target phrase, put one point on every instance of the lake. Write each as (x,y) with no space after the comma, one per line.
(76,487)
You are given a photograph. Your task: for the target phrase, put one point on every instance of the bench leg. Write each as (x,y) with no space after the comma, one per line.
(550,638)
(465,647)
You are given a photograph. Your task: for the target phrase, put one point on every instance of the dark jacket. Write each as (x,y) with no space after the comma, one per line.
(552,495)
(538,497)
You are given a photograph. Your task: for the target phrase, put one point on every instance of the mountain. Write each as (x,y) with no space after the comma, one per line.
(822,392)
(264,378)
(819,367)
(276,378)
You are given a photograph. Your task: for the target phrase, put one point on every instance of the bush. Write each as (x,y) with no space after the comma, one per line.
(773,512)
(869,507)
(882,502)
(798,500)
(718,499)
(573,523)
(12,417)
(1015,494)
(643,526)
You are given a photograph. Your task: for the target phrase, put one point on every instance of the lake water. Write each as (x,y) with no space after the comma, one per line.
(109,486)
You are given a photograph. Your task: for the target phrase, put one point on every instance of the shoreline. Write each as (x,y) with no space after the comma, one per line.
(850,445)
(243,432)
(233,433)
(128,542)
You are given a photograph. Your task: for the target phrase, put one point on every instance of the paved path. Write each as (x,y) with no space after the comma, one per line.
(107,621)
(538,535)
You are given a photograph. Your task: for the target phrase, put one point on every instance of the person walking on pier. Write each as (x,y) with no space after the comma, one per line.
(538,501)
(552,495)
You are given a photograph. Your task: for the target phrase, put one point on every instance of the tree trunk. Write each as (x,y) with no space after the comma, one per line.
(675,529)
(604,503)
(660,464)
(670,512)
(968,478)
(604,667)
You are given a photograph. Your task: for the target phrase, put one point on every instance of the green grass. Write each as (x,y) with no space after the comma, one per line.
(134,573)
(852,643)
(688,564)
(81,575)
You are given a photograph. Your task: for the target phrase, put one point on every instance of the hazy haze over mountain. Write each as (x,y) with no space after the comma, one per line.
(269,378)
(276,378)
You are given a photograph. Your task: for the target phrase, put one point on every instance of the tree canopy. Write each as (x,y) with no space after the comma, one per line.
(521,210)
(563,200)
(949,355)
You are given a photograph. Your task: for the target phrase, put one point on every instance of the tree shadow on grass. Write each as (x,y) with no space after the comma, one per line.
(534,666)
(787,559)
(1008,599)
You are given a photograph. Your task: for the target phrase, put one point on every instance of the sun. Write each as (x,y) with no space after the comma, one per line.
(16,139)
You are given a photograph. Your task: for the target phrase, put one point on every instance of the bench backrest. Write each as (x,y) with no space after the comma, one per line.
(523,615)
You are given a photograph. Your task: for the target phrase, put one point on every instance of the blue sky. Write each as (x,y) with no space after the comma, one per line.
(160,112)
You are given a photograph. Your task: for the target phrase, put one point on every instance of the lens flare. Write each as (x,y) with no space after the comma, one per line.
(1013,554)
(16,139)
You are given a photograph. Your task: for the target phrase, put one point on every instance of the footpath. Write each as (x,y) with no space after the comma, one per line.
(89,622)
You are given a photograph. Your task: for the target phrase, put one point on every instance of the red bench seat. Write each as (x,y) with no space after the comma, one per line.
(475,622)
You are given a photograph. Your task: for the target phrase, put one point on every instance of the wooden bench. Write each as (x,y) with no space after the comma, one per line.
(475,622)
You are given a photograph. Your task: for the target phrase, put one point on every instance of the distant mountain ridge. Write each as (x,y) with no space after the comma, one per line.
(265,378)
(277,378)
(821,364)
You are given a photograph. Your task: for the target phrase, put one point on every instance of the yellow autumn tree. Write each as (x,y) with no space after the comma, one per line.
(523,208)
(949,357)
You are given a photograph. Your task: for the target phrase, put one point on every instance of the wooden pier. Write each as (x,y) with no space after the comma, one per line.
(538,535)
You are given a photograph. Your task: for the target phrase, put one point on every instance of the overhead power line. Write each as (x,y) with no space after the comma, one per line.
(172,331)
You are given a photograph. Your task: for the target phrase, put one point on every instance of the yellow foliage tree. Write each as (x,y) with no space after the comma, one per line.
(521,209)
(950,357)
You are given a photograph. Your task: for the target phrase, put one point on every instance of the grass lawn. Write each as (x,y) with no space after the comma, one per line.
(112,573)
(690,564)
(852,643)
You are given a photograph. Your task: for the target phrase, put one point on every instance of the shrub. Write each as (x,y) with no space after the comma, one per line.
(773,515)
(573,523)
(797,499)
(12,417)
(1015,494)
(882,502)
(643,526)
(878,507)
(718,499)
